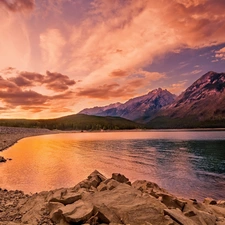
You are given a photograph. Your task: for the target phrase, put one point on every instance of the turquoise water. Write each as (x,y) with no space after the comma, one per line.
(187,163)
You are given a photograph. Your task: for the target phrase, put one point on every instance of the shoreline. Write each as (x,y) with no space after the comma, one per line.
(99,200)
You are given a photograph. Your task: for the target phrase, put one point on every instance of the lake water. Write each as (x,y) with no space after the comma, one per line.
(186,163)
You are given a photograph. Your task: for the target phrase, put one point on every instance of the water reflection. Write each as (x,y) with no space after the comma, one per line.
(190,164)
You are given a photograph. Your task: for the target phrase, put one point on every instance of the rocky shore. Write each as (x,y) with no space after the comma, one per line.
(115,201)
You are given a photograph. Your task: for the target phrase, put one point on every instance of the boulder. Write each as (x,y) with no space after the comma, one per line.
(128,206)
(144,185)
(93,180)
(178,217)
(67,198)
(120,178)
(77,212)
(34,208)
(2,159)
(172,202)
(210,201)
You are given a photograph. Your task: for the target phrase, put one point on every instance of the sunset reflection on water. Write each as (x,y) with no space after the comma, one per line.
(187,163)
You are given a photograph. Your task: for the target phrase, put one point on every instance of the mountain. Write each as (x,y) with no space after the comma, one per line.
(74,122)
(98,110)
(200,105)
(139,109)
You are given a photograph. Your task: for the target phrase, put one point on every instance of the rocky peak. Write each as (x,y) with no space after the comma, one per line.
(211,83)
(135,108)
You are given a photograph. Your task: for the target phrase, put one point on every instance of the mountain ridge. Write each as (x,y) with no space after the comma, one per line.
(201,104)
(137,108)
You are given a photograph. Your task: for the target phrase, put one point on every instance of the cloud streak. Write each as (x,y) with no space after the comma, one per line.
(53,81)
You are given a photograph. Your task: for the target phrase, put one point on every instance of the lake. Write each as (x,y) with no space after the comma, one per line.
(186,163)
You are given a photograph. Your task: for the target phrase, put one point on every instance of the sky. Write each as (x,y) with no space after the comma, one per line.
(58,57)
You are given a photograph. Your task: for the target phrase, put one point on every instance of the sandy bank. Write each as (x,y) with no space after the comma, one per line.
(100,200)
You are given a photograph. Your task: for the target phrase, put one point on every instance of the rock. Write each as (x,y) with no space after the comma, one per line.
(77,212)
(102,187)
(67,198)
(210,201)
(190,213)
(2,159)
(33,210)
(172,202)
(120,178)
(220,223)
(129,206)
(102,201)
(205,218)
(111,184)
(93,180)
(144,185)
(221,202)
(178,216)
(218,210)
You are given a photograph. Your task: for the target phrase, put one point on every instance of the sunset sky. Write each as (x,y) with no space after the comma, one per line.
(60,56)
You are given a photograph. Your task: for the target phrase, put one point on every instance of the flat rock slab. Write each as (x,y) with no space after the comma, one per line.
(178,216)
(79,211)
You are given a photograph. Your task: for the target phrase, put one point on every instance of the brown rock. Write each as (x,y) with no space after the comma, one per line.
(79,211)
(178,216)
(172,202)
(120,178)
(129,206)
(68,198)
(2,159)
(210,201)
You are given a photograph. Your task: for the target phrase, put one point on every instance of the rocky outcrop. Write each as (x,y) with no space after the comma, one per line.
(2,159)
(101,200)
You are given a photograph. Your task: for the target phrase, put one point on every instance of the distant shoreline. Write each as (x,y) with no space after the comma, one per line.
(11,135)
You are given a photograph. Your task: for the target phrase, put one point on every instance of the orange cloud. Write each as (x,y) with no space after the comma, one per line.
(118,73)
(220,54)
(107,91)
(178,87)
(53,81)
(18,5)
(15,92)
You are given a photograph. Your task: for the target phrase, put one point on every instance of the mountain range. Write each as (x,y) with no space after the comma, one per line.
(140,109)
(200,105)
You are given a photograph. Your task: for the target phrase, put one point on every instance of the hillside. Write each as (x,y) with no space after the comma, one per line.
(74,122)
(200,105)
(140,109)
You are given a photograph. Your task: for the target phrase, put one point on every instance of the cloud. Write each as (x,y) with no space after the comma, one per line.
(118,73)
(177,88)
(52,80)
(195,72)
(132,34)
(20,92)
(107,91)
(18,5)
(19,97)
(220,54)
